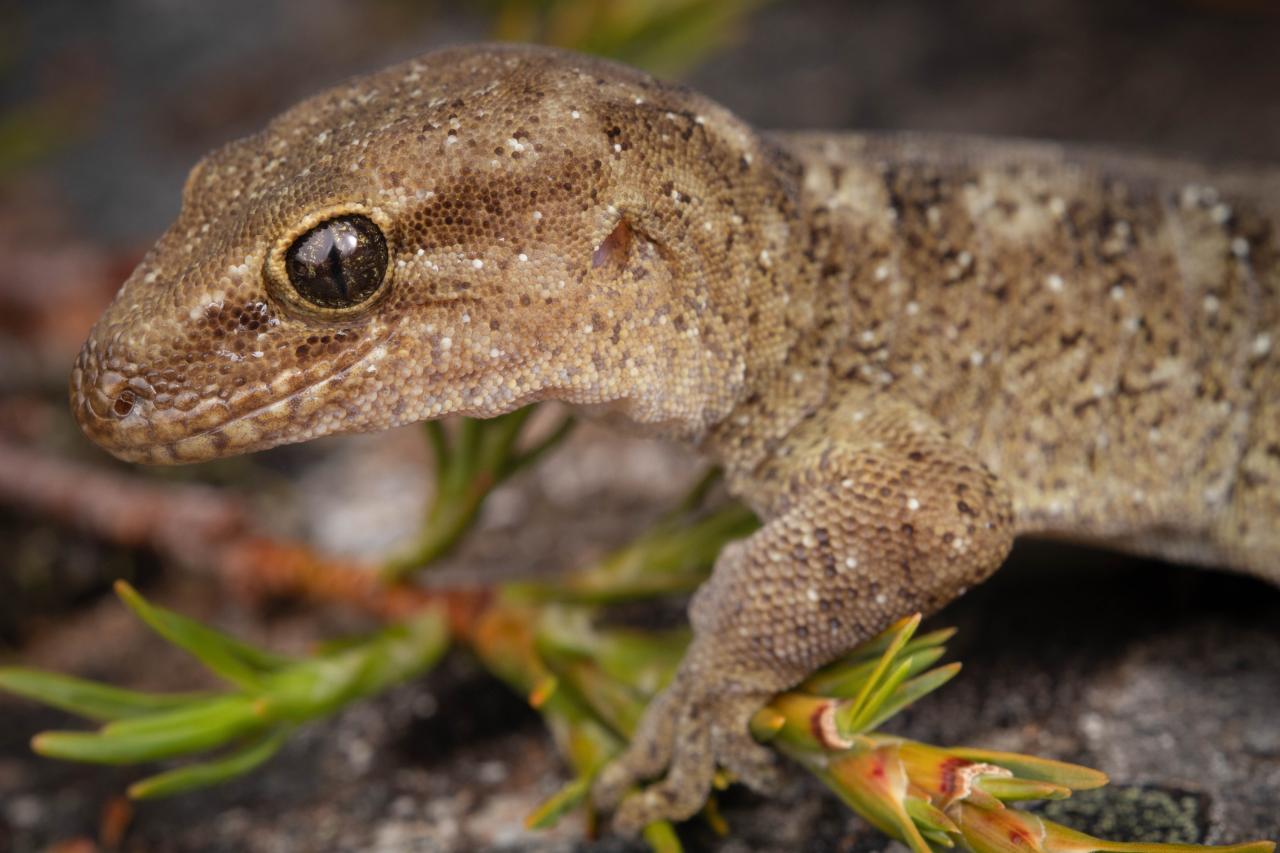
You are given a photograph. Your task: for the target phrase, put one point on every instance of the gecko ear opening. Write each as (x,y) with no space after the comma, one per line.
(613,250)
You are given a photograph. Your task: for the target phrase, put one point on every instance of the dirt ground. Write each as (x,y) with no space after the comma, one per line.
(1167,678)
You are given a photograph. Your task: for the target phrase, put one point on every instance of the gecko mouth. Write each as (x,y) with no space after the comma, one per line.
(127,418)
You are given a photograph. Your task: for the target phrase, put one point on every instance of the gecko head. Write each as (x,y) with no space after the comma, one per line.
(462,234)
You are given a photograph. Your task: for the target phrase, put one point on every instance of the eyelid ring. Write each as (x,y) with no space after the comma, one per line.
(277,276)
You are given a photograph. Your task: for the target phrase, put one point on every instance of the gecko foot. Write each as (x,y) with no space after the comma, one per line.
(687,732)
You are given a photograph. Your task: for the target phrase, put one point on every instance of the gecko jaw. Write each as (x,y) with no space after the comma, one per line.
(121,416)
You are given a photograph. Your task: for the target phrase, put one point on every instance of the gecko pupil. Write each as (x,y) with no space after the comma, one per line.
(339,263)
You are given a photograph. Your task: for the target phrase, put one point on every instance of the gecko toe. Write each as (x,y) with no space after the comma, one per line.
(750,763)
(645,758)
(682,791)
(687,732)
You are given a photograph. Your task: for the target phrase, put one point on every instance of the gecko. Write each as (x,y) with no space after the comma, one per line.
(903,350)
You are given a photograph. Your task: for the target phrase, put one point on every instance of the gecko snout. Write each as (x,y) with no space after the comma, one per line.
(109,406)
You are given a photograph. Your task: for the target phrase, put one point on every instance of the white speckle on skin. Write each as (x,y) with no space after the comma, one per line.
(522,257)
(477,263)
(851,562)
(913,504)
(575,114)
(1054,282)
(1211,304)
(811,594)
(1261,345)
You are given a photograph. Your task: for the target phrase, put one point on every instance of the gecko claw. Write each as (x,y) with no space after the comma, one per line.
(750,763)
(688,733)
(646,756)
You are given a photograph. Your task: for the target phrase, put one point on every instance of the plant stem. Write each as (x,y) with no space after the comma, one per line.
(469,466)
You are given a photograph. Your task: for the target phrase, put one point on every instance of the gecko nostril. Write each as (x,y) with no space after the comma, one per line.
(124,403)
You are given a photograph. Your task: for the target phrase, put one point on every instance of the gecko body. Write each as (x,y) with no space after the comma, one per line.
(904,351)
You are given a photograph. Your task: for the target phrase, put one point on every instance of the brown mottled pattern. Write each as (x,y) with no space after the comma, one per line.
(903,350)
(1099,329)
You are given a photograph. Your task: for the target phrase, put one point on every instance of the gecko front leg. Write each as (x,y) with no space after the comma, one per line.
(876,513)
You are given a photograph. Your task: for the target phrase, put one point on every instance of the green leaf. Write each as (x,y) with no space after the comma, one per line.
(861,706)
(316,687)
(911,691)
(211,711)
(873,704)
(1015,790)
(238,663)
(661,837)
(208,773)
(875,647)
(1060,839)
(1071,776)
(181,736)
(568,798)
(88,699)
(929,818)
(845,682)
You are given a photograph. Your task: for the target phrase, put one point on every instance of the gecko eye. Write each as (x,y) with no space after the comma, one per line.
(339,263)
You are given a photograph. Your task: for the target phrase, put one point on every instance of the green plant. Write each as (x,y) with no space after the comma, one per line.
(663,36)
(589,683)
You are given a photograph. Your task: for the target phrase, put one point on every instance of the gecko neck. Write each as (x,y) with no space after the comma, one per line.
(788,363)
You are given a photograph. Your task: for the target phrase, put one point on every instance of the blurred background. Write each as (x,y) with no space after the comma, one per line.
(105,105)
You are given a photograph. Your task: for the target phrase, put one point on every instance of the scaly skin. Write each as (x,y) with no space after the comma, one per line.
(904,351)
